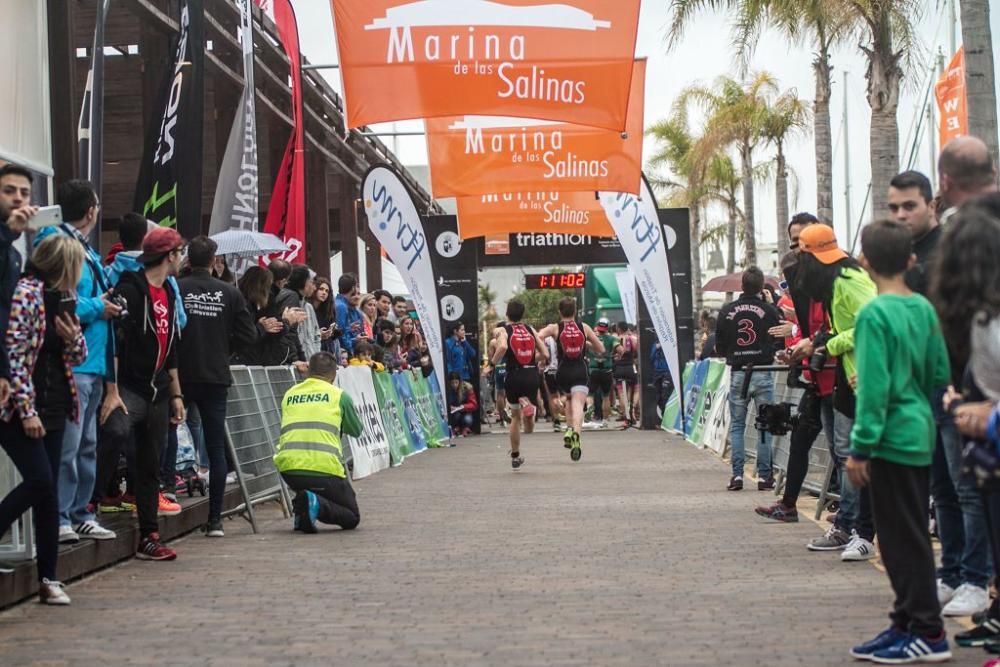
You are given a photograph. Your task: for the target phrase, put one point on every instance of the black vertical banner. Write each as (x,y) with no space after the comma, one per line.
(455,270)
(90,131)
(169,188)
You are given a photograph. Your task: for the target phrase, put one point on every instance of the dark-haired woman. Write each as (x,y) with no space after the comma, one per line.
(965,288)
(828,275)
(255,285)
(44,342)
(326,315)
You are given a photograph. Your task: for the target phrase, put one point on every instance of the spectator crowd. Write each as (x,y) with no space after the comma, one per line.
(108,364)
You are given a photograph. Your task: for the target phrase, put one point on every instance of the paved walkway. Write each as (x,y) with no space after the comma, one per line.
(634,556)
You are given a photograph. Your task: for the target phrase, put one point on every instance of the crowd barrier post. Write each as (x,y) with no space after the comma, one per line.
(19,544)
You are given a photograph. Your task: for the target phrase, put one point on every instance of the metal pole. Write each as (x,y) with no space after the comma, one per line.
(392,134)
(847,163)
(306,68)
(952,24)
(931,141)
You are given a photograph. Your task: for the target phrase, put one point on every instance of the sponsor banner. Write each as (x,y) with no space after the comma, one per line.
(706,403)
(497,244)
(645,239)
(538,249)
(951,99)
(168,191)
(401,382)
(396,225)
(286,215)
(561,213)
(371,448)
(427,411)
(481,155)
(393,411)
(714,383)
(563,60)
(626,289)
(441,406)
(236,194)
(672,411)
(90,130)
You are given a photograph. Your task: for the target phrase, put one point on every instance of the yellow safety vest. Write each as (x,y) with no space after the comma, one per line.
(310,430)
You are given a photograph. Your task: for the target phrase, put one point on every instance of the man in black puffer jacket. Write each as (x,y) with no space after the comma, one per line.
(218,325)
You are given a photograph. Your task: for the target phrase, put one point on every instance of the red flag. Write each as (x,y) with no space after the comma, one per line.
(286,214)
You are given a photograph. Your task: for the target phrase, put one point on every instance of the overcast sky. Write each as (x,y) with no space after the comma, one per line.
(704,54)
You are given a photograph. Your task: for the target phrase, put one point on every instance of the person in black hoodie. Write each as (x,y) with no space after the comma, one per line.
(149,387)
(742,337)
(218,323)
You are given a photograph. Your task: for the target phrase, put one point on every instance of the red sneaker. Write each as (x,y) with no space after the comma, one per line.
(150,548)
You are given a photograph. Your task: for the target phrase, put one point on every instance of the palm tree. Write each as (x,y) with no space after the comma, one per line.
(737,115)
(980,75)
(788,115)
(819,23)
(674,150)
(724,182)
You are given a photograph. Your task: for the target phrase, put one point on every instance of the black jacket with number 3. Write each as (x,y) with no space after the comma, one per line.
(741,333)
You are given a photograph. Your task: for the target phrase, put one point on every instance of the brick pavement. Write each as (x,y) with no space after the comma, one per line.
(634,556)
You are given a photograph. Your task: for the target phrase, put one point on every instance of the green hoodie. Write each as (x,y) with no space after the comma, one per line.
(901,360)
(851,291)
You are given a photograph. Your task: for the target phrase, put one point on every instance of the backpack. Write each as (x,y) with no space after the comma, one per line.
(522,345)
(572,341)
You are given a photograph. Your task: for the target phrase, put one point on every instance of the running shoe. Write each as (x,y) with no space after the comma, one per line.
(150,548)
(167,508)
(575,452)
(67,535)
(883,640)
(214,529)
(987,632)
(834,540)
(305,511)
(735,483)
(968,600)
(94,531)
(556,427)
(568,438)
(112,505)
(516,461)
(778,512)
(51,592)
(527,409)
(766,484)
(858,549)
(128,502)
(912,649)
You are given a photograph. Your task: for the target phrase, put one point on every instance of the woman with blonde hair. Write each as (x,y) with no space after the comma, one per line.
(44,342)
(369,312)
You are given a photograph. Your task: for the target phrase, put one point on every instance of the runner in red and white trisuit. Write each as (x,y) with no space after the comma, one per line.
(573,337)
(520,347)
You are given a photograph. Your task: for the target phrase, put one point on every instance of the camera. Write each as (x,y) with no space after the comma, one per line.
(820,356)
(776,419)
(119,300)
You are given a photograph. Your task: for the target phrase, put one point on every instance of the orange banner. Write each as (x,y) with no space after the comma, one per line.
(541,212)
(476,155)
(565,60)
(950,94)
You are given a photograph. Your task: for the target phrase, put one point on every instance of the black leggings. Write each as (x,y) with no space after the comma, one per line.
(38,463)
(803,436)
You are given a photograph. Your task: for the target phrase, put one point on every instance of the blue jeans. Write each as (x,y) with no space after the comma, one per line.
(847,515)
(962,530)
(78,467)
(761,390)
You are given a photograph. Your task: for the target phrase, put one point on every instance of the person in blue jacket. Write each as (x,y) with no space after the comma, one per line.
(349,318)
(95,309)
(661,376)
(460,356)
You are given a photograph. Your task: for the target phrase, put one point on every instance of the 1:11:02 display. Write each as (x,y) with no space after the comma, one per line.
(555,280)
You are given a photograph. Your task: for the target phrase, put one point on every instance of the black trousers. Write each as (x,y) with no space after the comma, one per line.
(338,505)
(900,497)
(801,440)
(148,422)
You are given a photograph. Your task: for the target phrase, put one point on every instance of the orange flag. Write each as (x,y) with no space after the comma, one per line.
(563,60)
(476,155)
(542,212)
(950,94)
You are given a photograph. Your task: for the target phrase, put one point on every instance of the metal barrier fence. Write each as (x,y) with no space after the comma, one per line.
(19,542)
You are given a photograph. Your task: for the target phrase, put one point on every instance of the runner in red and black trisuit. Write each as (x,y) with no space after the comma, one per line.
(572,339)
(520,347)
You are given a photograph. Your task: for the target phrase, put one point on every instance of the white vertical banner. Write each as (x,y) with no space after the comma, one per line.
(626,290)
(371,448)
(637,225)
(395,222)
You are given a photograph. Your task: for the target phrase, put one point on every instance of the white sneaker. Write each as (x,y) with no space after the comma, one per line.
(858,549)
(67,535)
(94,531)
(945,592)
(968,600)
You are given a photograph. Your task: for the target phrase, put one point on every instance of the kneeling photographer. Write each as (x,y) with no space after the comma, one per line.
(829,276)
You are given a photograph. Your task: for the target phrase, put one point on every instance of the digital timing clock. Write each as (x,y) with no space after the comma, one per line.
(555,280)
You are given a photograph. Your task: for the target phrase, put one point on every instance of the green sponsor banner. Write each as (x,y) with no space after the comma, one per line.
(703,409)
(427,412)
(672,411)
(394,418)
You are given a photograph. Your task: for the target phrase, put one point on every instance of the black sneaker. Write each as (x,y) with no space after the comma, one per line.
(735,484)
(766,484)
(516,460)
(214,529)
(778,512)
(986,634)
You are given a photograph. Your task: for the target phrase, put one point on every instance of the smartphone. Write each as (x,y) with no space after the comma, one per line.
(783,286)
(67,305)
(47,216)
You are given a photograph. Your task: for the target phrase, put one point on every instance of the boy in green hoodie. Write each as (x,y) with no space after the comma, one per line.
(901,359)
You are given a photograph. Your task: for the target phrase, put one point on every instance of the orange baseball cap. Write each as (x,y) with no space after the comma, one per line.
(820,241)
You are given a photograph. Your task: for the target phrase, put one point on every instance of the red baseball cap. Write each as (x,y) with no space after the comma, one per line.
(158,242)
